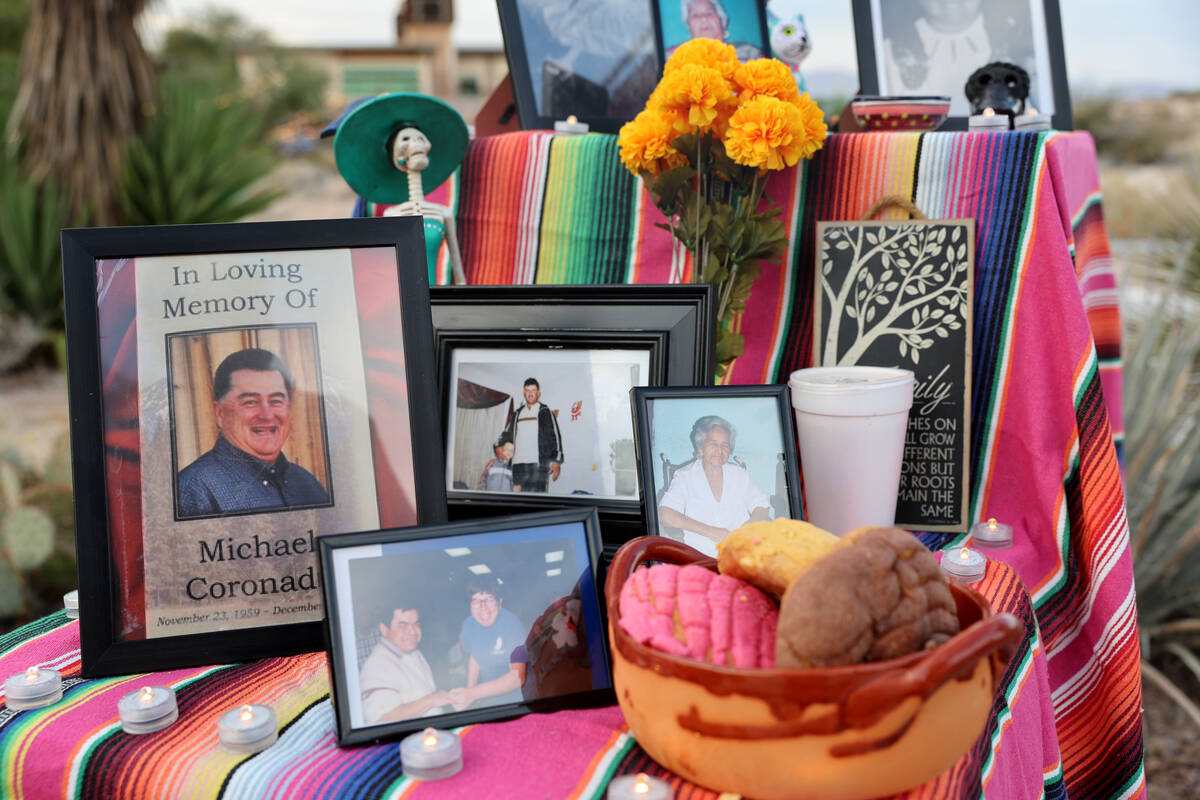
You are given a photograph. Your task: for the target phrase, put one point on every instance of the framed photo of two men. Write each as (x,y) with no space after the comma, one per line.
(447,625)
(236,393)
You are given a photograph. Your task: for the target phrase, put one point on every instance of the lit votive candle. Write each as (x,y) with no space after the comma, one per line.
(638,787)
(570,125)
(431,755)
(248,729)
(71,604)
(149,709)
(33,688)
(989,120)
(965,564)
(991,535)
(1031,120)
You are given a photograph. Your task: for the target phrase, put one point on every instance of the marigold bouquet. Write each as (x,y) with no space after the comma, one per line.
(710,132)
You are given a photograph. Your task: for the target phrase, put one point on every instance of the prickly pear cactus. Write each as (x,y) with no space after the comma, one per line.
(28,537)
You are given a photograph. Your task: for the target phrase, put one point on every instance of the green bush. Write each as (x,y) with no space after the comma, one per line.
(1162,477)
(196,162)
(31,292)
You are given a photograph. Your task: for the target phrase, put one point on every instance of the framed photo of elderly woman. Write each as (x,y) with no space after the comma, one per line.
(713,459)
(741,23)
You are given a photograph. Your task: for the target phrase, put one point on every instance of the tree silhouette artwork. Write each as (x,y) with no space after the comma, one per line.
(901,281)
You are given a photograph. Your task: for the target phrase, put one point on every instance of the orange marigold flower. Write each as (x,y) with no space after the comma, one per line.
(767,133)
(696,95)
(706,53)
(814,125)
(645,144)
(765,76)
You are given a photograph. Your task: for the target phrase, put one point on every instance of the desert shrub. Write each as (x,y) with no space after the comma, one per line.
(196,162)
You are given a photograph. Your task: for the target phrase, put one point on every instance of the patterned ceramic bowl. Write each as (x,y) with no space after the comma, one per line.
(842,733)
(917,113)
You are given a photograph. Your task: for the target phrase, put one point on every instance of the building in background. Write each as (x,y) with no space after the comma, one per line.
(423,59)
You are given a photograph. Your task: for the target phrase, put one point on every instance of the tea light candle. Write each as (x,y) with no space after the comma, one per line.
(431,755)
(1031,120)
(989,120)
(570,125)
(991,535)
(33,688)
(71,604)
(965,564)
(639,787)
(149,709)
(247,729)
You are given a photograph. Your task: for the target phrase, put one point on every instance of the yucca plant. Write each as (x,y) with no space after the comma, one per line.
(31,310)
(1162,476)
(197,161)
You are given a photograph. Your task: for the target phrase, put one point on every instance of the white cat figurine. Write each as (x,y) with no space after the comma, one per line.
(788,35)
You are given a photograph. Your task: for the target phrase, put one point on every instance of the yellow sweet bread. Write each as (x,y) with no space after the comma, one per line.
(772,554)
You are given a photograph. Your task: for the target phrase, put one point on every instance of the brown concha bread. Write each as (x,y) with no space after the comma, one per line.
(880,594)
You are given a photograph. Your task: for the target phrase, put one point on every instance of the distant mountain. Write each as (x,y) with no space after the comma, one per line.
(1134,90)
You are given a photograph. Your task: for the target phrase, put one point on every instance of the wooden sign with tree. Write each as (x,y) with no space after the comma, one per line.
(897,293)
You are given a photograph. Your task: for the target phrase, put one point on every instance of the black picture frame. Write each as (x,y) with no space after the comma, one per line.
(357,605)
(1045,55)
(746,15)
(675,321)
(595,60)
(781,465)
(103,311)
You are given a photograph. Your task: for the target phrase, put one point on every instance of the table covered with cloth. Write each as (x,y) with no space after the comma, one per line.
(76,748)
(1045,426)
(1046,415)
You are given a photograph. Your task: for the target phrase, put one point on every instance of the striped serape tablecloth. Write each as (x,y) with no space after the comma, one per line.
(76,748)
(1046,416)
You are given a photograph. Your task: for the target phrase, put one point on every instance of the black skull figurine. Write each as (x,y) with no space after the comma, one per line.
(1000,86)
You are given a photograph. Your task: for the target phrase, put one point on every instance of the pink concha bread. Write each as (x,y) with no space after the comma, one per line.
(693,612)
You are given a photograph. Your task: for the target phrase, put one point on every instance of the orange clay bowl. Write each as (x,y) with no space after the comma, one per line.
(840,733)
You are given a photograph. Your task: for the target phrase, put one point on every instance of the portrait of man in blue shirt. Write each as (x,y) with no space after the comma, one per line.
(246,469)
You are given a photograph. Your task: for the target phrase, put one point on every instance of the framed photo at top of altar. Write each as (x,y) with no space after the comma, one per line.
(741,23)
(591,59)
(910,47)
(237,392)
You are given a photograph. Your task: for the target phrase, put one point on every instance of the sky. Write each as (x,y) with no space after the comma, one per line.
(1110,44)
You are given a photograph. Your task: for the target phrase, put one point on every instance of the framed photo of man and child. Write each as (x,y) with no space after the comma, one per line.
(449,625)
(535,384)
(237,392)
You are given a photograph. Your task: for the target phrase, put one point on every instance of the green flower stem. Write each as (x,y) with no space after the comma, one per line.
(751,202)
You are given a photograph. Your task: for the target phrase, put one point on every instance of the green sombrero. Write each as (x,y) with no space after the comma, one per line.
(362,144)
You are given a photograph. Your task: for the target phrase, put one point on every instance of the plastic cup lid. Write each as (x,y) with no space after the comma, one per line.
(851,391)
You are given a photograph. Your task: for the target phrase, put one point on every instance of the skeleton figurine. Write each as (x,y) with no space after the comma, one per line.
(395,148)
(410,155)
(1000,86)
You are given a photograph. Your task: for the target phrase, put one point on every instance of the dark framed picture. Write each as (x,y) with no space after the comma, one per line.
(567,437)
(447,625)
(593,59)
(741,23)
(237,392)
(910,47)
(713,459)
